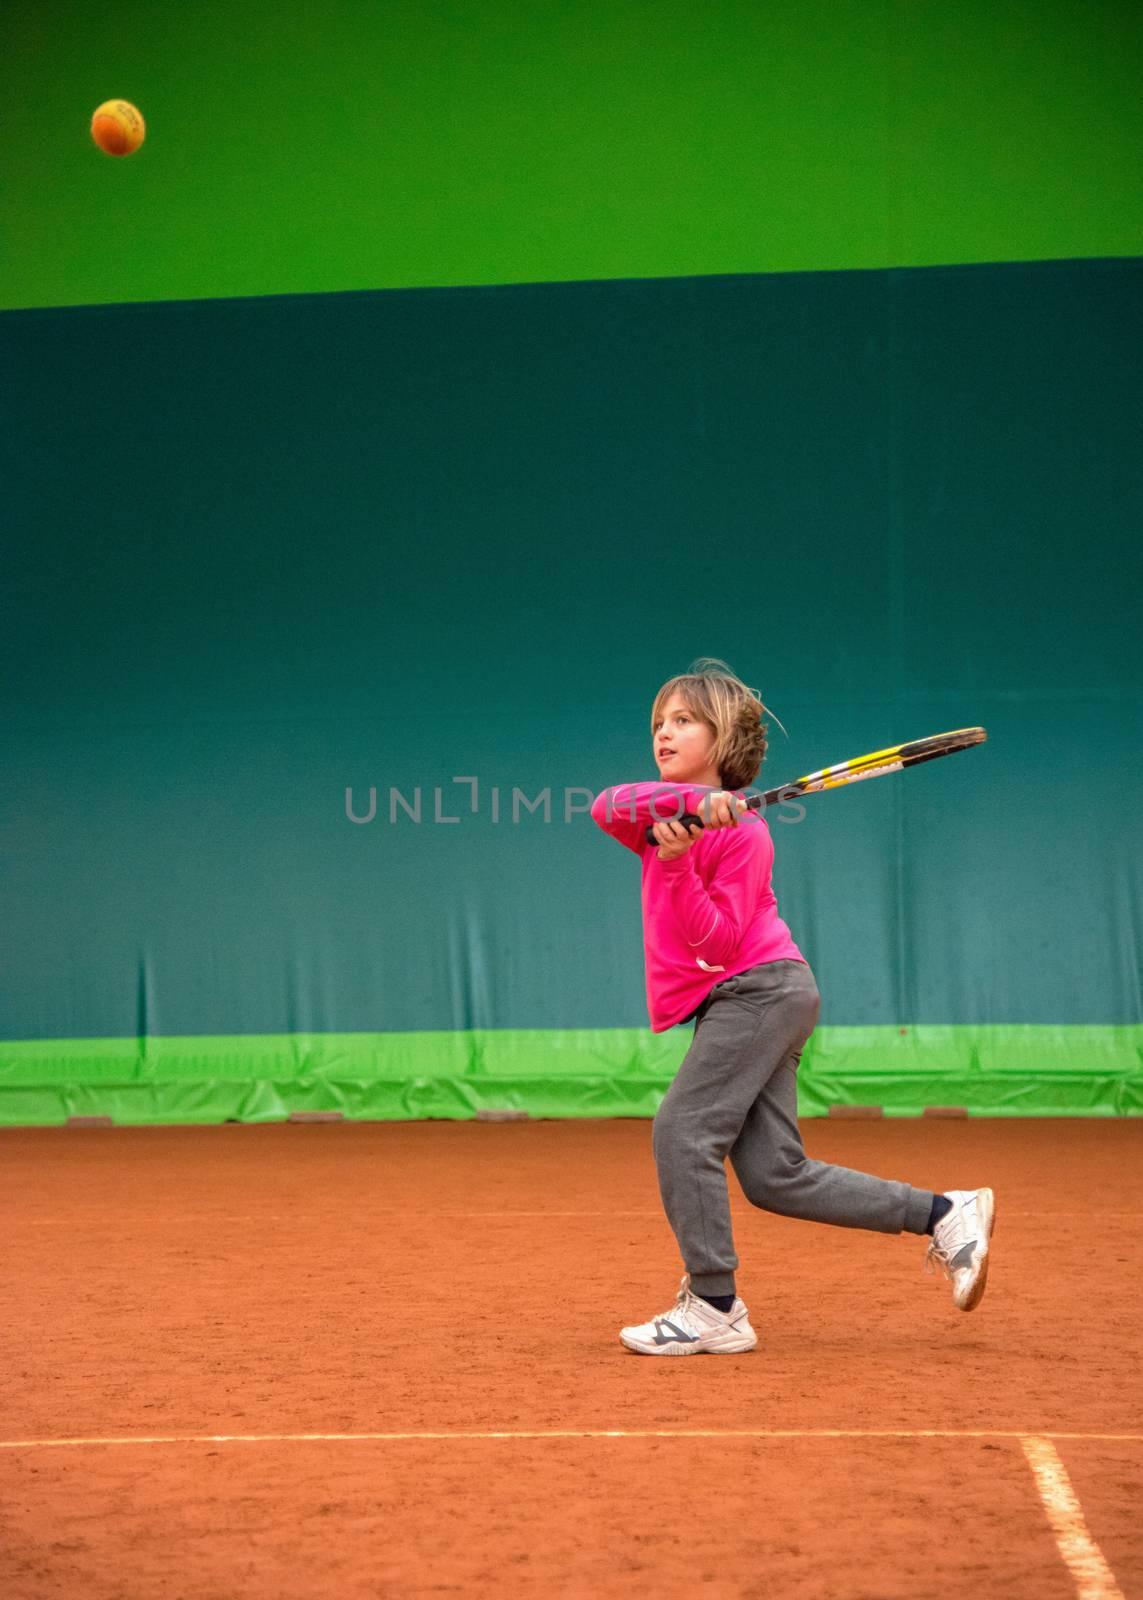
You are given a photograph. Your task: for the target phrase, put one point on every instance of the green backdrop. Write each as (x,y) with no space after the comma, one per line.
(270,550)
(367,144)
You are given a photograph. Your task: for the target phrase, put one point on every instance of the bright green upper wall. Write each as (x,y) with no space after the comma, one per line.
(362,144)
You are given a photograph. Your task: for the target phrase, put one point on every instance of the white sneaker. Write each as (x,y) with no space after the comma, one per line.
(693,1328)
(960,1244)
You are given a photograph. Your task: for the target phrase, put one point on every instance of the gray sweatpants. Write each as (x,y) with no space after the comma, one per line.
(736,1094)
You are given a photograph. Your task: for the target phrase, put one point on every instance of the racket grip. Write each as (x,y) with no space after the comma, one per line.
(687,818)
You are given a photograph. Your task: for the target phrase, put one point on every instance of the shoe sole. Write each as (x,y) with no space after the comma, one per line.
(738,1348)
(987,1208)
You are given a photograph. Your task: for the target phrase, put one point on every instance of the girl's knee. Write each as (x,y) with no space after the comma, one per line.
(678,1136)
(662,1130)
(766,1189)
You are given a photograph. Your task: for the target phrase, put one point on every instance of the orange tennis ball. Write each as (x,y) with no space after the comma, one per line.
(118,127)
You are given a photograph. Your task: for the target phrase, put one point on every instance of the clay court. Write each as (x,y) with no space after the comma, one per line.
(243,1363)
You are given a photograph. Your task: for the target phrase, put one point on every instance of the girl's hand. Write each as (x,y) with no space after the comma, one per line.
(722,809)
(674,839)
(719,810)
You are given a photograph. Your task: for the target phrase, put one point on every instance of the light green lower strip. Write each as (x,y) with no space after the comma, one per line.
(1019,1070)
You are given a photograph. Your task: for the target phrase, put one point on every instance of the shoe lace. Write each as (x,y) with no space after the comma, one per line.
(937,1259)
(683,1300)
(950,1234)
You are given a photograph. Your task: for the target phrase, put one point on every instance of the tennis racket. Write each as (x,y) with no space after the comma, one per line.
(875,765)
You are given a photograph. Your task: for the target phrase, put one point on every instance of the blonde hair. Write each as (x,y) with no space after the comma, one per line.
(713,693)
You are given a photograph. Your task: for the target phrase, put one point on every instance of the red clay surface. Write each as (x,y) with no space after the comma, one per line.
(468,1278)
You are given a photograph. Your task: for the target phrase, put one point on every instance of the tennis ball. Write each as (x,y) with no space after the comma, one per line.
(118,127)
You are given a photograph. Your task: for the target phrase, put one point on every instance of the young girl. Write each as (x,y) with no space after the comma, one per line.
(717,951)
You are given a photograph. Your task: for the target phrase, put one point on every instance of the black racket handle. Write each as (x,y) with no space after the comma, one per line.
(689,819)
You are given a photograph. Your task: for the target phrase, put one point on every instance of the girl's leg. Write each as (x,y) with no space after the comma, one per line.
(776,1174)
(748,1027)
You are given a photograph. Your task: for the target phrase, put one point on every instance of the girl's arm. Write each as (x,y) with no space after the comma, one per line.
(626,810)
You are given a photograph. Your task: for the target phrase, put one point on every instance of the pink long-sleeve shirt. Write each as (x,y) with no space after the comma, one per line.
(707,914)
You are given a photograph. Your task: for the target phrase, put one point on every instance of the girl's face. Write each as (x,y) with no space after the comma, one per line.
(684,745)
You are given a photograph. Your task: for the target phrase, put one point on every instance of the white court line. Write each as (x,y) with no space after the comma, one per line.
(1083,1558)
(566,1433)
